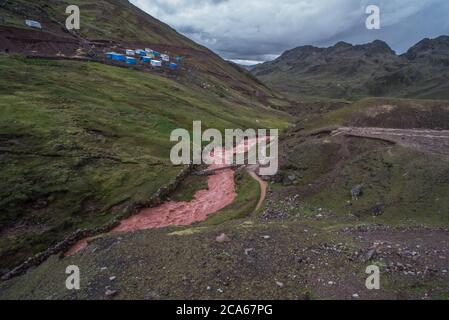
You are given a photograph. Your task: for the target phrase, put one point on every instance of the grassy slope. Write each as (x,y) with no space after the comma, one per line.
(78,139)
(411,187)
(124,24)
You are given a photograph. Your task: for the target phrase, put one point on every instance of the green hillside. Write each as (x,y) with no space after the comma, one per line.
(80,142)
(401,185)
(113,25)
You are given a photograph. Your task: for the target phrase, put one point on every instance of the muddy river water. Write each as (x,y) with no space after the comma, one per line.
(221,192)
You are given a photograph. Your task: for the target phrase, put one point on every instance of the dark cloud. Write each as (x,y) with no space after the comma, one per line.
(259,30)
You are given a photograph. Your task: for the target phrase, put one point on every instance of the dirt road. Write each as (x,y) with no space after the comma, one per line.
(263,188)
(435,141)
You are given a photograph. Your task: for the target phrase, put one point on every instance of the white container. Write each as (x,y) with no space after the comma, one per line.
(165,58)
(130,52)
(156,63)
(33,24)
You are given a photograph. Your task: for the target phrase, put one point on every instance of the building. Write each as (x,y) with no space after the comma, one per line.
(156,63)
(118,57)
(131,60)
(33,24)
(109,55)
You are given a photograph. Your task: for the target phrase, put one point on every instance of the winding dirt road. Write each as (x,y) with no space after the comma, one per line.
(263,186)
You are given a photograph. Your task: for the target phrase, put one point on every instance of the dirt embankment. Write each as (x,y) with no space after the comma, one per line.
(435,141)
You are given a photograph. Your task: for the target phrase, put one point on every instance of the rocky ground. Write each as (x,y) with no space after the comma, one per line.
(265,256)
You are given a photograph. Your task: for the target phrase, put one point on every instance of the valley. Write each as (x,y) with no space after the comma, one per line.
(87,179)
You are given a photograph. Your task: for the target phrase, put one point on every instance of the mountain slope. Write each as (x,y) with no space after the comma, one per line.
(345,71)
(83,143)
(113,25)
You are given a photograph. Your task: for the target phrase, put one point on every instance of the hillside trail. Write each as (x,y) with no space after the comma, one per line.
(435,141)
(221,193)
(252,170)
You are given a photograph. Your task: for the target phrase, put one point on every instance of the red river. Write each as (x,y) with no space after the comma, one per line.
(220,193)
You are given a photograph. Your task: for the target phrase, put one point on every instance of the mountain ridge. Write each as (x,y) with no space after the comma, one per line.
(346,71)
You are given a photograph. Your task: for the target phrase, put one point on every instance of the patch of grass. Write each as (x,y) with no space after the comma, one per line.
(400,186)
(248,193)
(189,187)
(385,113)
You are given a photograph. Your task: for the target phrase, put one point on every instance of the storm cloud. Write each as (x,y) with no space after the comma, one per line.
(260,30)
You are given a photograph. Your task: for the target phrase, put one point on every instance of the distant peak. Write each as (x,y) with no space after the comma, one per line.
(428,47)
(377,47)
(341,44)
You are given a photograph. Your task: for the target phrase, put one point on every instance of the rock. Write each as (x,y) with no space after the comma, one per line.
(357,192)
(279,284)
(370,254)
(377,210)
(355,296)
(112,278)
(266,237)
(247,251)
(111,293)
(223,238)
(58,147)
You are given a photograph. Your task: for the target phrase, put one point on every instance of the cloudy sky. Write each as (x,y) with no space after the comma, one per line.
(260,30)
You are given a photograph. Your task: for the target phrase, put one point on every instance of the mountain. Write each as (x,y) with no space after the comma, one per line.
(114,25)
(346,71)
(84,142)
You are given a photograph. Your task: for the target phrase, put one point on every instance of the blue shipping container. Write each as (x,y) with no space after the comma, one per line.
(131,60)
(146,59)
(173,66)
(118,57)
